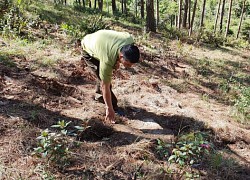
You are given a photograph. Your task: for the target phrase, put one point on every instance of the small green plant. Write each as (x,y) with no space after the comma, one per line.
(71,29)
(205,97)
(163,148)
(54,146)
(224,86)
(215,160)
(7,61)
(242,105)
(190,149)
(191,176)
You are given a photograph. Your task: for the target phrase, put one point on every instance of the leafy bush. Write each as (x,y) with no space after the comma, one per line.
(15,23)
(93,24)
(242,104)
(246,31)
(188,150)
(86,26)
(207,36)
(71,30)
(54,146)
(240,43)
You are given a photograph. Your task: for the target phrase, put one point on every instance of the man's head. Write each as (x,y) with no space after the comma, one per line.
(129,55)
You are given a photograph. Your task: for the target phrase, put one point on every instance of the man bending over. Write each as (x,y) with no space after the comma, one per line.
(104,51)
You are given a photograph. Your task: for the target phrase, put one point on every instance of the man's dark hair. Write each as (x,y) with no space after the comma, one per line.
(131,53)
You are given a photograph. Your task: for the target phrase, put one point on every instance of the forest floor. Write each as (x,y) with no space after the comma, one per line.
(156,95)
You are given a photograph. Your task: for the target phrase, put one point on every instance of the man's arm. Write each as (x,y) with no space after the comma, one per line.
(110,113)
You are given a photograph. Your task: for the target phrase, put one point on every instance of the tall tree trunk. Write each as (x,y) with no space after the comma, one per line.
(216,18)
(122,3)
(136,4)
(90,5)
(157,13)
(95,4)
(176,21)
(193,16)
(125,6)
(180,12)
(114,9)
(150,18)
(184,20)
(202,14)
(142,9)
(222,15)
(172,20)
(189,14)
(241,18)
(100,5)
(229,18)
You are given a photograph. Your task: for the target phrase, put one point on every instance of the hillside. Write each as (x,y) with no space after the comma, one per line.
(178,90)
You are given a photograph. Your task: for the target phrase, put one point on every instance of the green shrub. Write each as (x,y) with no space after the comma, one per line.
(246,31)
(54,146)
(242,105)
(188,150)
(207,36)
(93,24)
(15,23)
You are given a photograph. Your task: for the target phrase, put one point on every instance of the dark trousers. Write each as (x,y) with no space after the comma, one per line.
(94,65)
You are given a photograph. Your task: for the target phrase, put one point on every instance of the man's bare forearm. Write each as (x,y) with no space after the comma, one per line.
(110,114)
(107,94)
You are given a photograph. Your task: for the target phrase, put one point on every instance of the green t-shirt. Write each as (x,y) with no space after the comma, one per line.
(105,45)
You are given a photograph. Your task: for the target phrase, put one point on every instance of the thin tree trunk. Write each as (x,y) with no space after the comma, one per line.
(136,2)
(150,18)
(202,14)
(157,13)
(95,4)
(100,5)
(184,21)
(122,6)
(142,9)
(193,16)
(241,18)
(180,11)
(125,6)
(222,15)
(176,20)
(172,18)
(90,5)
(216,18)
(114,9)
(229,18)
(189,14)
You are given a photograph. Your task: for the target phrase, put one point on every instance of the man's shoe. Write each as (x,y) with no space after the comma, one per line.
(99,98)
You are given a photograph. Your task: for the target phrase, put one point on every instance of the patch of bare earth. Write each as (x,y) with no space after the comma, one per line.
(32,101)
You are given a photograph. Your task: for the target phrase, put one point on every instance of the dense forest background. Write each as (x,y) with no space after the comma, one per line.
(219,21)
(186,104)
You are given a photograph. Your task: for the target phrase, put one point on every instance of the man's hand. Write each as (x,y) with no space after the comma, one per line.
(110,113)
